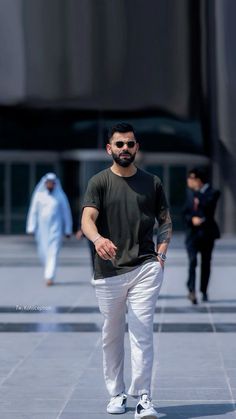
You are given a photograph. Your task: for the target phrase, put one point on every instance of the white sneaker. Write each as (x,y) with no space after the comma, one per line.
(145,409)
(117,404)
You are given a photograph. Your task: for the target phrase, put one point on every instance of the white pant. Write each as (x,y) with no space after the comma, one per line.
(140,289)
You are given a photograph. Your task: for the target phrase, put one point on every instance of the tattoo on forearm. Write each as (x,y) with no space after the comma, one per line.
(164,233)
(165,227)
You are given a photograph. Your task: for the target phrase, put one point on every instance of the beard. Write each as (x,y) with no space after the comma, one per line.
(123,161)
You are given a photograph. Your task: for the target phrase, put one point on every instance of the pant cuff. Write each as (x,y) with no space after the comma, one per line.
(137,393)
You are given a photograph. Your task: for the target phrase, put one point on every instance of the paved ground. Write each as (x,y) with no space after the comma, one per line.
(50,345)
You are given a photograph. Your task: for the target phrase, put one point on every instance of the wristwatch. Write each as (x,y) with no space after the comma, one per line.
(162,256)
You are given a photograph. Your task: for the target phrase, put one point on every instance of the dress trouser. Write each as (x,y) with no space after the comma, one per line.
(204,247)
(139,289)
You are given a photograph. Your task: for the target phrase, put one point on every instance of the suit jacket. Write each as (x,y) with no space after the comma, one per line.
(208,199)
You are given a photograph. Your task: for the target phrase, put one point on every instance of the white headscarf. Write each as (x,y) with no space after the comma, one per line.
(41,186)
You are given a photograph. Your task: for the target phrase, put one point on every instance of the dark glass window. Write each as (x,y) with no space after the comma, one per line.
(177,188)
(156,170)
(2,197)
(18,226)
(2,183)
(20,179)
(19,189)
(42,169)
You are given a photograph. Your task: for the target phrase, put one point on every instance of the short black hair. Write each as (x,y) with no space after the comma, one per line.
(199,173)
(120,127)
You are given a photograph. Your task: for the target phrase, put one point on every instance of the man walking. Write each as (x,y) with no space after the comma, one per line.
(49,218)
(120,207)
(201,229)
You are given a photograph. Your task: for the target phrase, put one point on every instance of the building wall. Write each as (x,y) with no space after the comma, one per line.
(223,105)
(105,55)
(125,56)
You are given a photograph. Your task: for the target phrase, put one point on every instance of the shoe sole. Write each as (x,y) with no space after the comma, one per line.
(145,417)
(117,412)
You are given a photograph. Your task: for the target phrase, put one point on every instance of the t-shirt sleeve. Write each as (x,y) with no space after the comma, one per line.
(92,197)
(163,217)
(161,201)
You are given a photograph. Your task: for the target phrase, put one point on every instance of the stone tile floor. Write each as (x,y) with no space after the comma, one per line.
(50,343)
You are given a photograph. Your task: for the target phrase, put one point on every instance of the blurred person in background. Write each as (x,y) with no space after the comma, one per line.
(49,218)
(201,229)
(119,211)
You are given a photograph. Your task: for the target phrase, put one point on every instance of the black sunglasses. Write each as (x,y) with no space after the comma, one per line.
(130,144)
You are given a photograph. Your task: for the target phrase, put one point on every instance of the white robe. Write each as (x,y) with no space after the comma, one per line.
(49,218)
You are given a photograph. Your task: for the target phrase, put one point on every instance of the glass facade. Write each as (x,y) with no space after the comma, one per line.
(156,170)
(2,184)
(177,194)
(42,168)
(19,196)
(18,179)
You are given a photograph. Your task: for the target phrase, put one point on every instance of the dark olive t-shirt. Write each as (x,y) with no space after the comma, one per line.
(128,207)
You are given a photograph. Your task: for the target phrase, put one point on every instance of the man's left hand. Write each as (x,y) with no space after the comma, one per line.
(162,263)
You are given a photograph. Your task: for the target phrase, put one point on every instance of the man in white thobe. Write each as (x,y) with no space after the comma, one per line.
(49,218)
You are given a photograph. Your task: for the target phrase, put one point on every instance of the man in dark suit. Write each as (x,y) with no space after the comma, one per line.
(201,229)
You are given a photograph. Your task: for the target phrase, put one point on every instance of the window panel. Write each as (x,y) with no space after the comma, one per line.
(177,188)
(2,182)
(155,170)
(19,189)
(42,169)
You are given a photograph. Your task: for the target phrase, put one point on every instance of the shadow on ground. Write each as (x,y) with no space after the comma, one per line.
(195,410)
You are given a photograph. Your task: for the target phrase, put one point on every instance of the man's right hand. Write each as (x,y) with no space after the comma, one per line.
(105,248)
